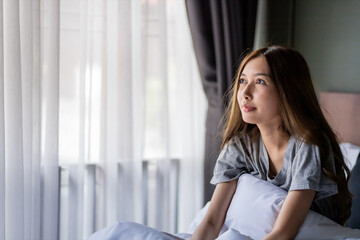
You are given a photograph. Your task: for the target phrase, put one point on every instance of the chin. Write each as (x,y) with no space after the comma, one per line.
(249,121)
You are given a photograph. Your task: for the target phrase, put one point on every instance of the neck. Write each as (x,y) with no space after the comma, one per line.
(273,137)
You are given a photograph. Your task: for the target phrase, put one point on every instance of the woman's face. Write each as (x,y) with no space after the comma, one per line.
(257,95)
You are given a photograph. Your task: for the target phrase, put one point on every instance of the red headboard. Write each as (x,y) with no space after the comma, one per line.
(342,111)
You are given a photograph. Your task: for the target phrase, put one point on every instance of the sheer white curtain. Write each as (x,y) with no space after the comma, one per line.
(174,105)
(20,194)
(21,120)
(101,115)
(91,91)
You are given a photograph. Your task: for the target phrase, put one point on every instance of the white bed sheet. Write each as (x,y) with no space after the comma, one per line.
(351,153)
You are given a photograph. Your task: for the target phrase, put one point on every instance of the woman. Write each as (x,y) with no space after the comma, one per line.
(275,130)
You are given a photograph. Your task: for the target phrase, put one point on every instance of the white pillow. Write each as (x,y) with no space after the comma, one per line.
(255,207)
(351,153)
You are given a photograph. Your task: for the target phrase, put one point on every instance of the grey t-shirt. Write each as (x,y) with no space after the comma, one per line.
(301,169)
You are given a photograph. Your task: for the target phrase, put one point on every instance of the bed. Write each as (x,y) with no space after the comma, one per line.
(342,111)
(251,214)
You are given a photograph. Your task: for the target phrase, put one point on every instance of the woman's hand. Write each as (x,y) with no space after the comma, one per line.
(292,214)
(211,225)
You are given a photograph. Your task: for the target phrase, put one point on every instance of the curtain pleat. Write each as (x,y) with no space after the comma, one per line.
(83,106)
(2,131)
(36,121)
(164,168)
(125,107)
(112,113)
(14,184)
(100,210)
(50,99)
(26,41)
(137,108)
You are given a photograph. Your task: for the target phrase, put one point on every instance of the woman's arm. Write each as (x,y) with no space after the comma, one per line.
(211,225)
(292,214)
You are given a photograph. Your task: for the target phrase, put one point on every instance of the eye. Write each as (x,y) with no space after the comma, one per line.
(241,80)
(260,81)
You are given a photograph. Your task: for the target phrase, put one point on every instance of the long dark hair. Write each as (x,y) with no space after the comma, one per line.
(301,116)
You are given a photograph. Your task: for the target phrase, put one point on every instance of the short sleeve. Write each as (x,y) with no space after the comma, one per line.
(307,173)
(230,164)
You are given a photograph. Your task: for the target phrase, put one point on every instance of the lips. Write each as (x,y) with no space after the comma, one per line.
(247,108)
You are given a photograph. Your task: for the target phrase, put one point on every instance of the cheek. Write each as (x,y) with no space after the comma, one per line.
(272,105)
(238,96)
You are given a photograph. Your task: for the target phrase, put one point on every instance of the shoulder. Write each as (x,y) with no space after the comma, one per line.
(301,147)
(307,170)
(304,157)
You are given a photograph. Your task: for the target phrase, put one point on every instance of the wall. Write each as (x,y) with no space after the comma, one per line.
(327,33)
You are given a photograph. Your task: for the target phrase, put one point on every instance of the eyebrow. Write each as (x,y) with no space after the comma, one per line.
(257,74)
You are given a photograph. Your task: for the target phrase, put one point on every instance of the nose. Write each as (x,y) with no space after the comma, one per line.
(247,92)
